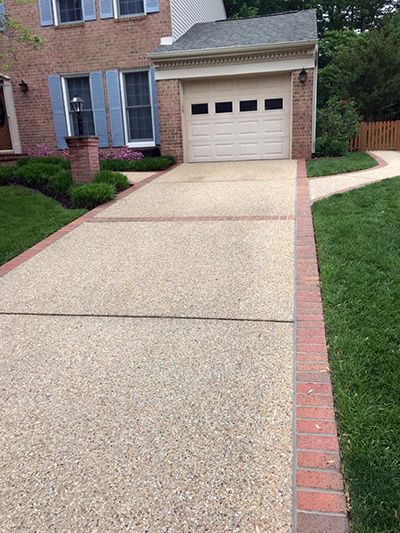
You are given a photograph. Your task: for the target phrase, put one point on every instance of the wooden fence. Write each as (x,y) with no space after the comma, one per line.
(383,135)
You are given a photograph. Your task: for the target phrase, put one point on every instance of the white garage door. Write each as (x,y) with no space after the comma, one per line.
(237,118)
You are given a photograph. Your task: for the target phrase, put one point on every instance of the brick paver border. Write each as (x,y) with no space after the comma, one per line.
(320,503)
(38,247)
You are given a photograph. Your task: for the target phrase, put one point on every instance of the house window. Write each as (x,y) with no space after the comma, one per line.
(248,105)
(69,11)
(224,107)
(138,107)
(130,7)
(273,103)
(79,86)
(199,109)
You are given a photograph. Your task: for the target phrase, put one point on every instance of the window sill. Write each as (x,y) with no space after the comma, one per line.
(144,144)
(129,18)
(68,25)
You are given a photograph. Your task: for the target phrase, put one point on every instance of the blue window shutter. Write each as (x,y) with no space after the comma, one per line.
(89,9)
(152,6)
(57,105)
(153,85)
(99,107)
(106,9)
(2,16)
(46,13)
(114,104)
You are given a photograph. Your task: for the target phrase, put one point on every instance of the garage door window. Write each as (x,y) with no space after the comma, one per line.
(248,105)
(273,103)
(224,107)
(199,109)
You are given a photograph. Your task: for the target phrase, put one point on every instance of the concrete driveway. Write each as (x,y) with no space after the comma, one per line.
(146,362)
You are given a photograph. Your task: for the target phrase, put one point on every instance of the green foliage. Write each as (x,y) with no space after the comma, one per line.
(337,123)
(50,179)
(358,243)
(7,174)
(50,160)
(91,195)
(59,185)
(120,181)
(147,164)
(364,67)
(27,217)
(338,165)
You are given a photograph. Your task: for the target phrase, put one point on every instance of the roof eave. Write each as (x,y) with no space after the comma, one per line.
(231,50)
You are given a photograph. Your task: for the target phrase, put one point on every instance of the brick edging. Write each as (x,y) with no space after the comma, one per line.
(320,503)
(38,247)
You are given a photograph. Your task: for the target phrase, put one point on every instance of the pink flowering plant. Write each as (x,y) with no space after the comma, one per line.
(125,153)
(42,150)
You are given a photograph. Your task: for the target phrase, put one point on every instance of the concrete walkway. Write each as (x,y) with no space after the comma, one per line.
(329,185)
(146,362)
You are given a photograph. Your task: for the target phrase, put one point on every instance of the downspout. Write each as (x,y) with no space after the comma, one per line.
(314,112)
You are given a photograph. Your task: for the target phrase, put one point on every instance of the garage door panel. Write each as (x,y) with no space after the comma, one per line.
(261,134)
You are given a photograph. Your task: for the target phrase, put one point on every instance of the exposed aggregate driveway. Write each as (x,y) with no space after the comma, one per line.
(146,362)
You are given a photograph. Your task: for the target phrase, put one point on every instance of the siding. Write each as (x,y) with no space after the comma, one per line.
(186,13)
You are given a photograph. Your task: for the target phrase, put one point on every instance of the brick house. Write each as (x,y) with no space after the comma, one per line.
(168,74)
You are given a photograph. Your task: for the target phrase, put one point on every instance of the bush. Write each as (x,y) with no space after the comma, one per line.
(59,185)
(50,179)
(337,123)
(7,174)
(120,181)
(91,195)
(50,160)
(147,164)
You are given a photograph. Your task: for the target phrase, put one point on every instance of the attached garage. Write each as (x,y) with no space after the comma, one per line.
(237,119)
(240,89)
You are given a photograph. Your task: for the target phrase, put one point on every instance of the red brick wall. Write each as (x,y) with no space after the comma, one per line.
(91,46)
(302,115)
(169,108)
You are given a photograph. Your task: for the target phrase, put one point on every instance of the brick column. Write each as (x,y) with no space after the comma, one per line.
(302,115)
(169,109)
(84,157)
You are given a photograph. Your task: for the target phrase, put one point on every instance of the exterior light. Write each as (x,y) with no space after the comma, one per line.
(77,104)
(23,86)
(303,76)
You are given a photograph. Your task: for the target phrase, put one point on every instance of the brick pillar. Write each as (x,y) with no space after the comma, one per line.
(84,157)
(169,110)
(302,115)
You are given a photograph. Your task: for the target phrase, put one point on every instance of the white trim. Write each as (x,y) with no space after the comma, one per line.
(67,103)
(236,70)
(315,101)
(136,144)
(55,12)
(118,16)
(12,118)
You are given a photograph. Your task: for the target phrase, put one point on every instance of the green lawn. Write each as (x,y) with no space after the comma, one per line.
(336,165)
(27,217)
(358,238)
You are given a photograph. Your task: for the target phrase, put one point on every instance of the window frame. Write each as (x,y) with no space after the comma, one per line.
(56,14)
(224,112)
(67,113)
(200,114)
(140,144)
(276,108)
(117,14)
(256,110)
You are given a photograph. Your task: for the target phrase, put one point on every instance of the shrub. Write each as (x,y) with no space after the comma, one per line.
(91,195)
(51,160)
(7,174)
(147,164)
(337,123)
(59,185)
(120,181)
(34,174)
(124,153)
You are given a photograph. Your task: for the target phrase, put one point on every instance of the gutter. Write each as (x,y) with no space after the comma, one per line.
(230,50)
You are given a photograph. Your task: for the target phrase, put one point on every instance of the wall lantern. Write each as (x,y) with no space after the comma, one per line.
(23,86)
(303,76)
(77,104)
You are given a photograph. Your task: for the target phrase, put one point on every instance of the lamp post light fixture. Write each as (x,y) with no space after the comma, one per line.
(77,105)
(303,76)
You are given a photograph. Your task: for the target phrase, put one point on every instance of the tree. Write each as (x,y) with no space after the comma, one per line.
(13,34)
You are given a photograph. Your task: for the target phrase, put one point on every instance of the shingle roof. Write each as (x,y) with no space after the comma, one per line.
(256,31)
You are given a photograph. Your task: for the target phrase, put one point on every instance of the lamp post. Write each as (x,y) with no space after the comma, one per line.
(77,104)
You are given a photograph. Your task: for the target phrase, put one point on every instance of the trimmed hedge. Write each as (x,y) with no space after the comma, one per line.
(50,160)
(7,174)
(147,164)
(49,179)
(91,195)
(120,181)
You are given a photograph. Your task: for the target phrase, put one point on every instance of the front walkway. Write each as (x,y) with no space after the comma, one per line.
(389,167)
(146,366)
